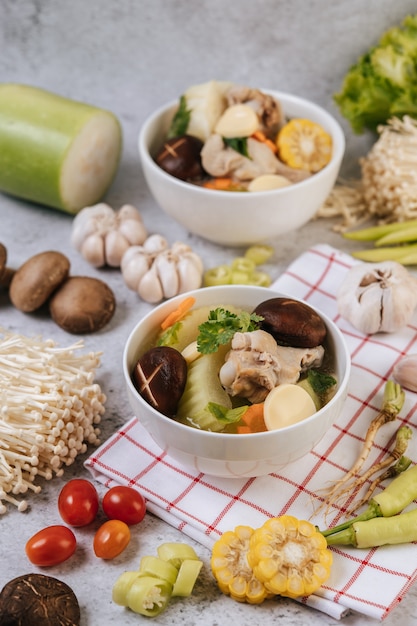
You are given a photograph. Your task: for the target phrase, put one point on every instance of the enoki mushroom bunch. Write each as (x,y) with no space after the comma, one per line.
(387,189)
(389,176)
(49,410)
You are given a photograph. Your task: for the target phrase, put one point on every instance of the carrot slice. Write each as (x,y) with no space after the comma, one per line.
(183,308)
(219,183)
(260,136)
(252,420)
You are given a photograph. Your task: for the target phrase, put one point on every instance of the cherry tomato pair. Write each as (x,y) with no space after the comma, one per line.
(78,503)
(55,544)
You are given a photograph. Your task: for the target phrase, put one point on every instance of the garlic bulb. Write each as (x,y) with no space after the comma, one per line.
(103,235)
(378,297)
(155,271)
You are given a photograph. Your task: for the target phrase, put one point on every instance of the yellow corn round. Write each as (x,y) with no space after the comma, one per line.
(289,556)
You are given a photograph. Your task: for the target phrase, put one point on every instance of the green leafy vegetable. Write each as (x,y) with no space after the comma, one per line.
(180,120)
(383,82)
(221,326)
(240,144)
(320,382)
(226,415)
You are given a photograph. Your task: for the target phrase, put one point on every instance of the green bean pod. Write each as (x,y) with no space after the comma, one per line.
(379,531)
(381,230)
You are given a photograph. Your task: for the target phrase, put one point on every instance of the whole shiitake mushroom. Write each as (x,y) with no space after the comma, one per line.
(35,281)
(78,304)
(82,305)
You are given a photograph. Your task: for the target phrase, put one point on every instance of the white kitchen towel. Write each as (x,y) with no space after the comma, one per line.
(371,582)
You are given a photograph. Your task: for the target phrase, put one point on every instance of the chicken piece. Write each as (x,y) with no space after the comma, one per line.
(220,160)
(256,364)
(267,108)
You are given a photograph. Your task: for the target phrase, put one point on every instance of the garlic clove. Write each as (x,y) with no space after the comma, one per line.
(155,244)
(130,224)
(150,288)
(266,182)
(166,266)
(405,372)
(128,212)
(238,120)
(134,231)
(92,249)
(135,264)
(115,246)
(190,275)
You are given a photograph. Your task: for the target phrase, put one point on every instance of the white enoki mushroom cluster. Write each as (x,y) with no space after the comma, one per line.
(388,186)
(49,410)
(389,172)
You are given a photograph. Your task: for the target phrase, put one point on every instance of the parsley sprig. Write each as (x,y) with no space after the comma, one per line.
(220,327)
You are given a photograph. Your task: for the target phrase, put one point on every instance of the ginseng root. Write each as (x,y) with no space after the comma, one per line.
(392,403)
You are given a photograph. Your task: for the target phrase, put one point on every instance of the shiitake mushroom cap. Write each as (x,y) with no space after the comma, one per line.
(83,304)
(291,322)
(180,156)
(38,600)
(160,376)
(36,280)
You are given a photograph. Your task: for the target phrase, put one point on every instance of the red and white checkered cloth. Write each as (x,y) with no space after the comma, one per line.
(371,582)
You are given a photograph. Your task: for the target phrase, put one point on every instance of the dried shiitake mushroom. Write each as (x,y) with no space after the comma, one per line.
(35,281)
(292,323)
(38,600)
(82,305)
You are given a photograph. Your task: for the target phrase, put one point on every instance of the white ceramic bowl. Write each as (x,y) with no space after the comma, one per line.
(236,218)
(221,454)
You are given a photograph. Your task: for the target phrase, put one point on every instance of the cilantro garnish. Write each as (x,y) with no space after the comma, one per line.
(239,144)
(180,120)
(220,327)
(320,382)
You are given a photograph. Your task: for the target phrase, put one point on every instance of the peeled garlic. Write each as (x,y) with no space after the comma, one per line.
(239,120)
(379,297)
(405,372)
(266,182)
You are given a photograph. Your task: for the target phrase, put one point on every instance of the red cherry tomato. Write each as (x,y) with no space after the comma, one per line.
(50,546)
(78,502)
(125,504)
(111,539)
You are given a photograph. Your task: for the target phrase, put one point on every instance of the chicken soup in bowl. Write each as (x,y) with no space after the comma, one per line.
(242,383)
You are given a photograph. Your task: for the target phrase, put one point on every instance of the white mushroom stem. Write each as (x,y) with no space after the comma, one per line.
(49,409)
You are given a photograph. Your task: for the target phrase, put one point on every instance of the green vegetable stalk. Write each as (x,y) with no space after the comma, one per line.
(382,83)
